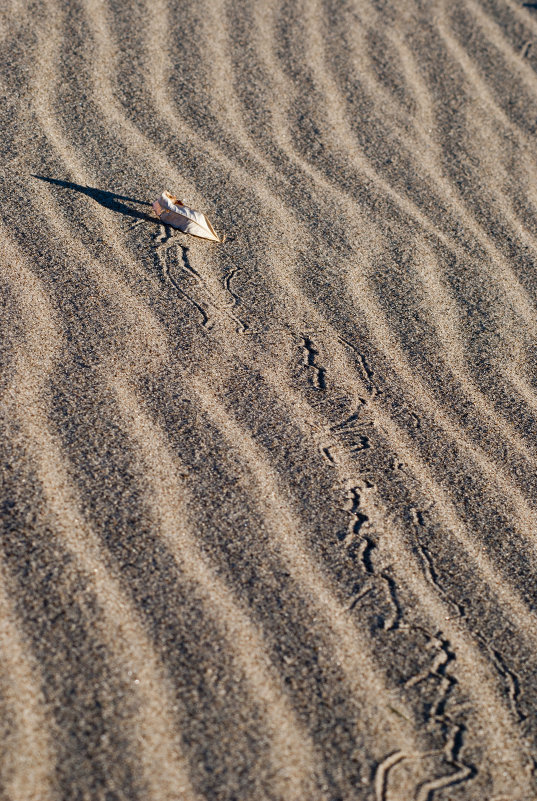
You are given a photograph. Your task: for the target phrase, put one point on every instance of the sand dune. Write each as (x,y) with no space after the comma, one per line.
(269,508)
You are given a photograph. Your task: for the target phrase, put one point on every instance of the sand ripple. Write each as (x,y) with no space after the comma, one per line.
(269,508)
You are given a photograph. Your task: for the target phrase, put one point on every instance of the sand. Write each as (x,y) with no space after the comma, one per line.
(269,507)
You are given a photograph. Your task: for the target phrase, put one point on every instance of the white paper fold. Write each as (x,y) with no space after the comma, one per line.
(171,211)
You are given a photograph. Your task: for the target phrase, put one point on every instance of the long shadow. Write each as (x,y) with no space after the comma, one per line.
(107,199)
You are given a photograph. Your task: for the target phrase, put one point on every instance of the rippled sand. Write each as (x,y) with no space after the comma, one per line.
(269,508)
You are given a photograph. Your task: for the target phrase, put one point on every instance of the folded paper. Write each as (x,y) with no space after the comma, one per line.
(172,211)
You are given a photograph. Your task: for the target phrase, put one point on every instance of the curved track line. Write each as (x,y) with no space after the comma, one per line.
(349,646)
(445,509)
(475,674)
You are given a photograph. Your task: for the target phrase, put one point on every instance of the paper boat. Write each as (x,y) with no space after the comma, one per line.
(172,211)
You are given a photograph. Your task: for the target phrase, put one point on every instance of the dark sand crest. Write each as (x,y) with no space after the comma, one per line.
(269,508)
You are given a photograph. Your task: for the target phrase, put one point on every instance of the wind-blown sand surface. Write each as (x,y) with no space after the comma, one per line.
(269,508)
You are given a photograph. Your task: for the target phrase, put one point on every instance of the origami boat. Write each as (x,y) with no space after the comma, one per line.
(172,211)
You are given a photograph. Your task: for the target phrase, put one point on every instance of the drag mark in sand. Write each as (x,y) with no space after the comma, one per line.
(424,790)
(167,261)
(171,265)
(360,543)
(318,378)
(347,438)
(509,677)
(242,326)
(365,368)
(452,755)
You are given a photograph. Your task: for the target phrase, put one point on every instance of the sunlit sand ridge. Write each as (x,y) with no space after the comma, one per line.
(269,506)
